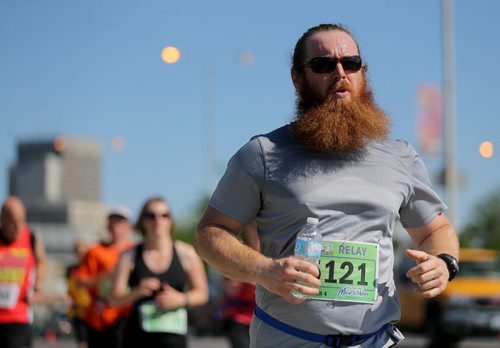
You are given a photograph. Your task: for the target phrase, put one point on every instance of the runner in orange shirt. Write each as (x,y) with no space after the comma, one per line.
(105,323)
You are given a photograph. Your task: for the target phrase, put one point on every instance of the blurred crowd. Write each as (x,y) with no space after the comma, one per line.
(126,290)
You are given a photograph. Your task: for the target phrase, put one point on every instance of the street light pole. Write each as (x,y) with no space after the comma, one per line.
(209,126)
(449,110)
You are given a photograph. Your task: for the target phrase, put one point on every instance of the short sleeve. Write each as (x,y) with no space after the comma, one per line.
(238,194)
(423,203)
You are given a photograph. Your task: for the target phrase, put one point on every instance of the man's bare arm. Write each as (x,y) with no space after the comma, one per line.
(430,273)
(217,243)
(436,237)
(41,262)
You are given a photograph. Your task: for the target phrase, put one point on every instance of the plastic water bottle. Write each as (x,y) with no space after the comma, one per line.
(308,246)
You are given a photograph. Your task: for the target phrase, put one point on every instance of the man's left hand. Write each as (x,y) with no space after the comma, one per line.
(430,273)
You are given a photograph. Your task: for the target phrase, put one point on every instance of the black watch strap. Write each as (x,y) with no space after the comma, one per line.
(451,264)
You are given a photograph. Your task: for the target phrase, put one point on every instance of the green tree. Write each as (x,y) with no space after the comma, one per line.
(484,228)
(186,226)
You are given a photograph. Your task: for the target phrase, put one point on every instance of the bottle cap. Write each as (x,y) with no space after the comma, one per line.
(312,220)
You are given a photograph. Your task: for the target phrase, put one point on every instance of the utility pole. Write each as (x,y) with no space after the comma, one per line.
(209,127)
(449,110)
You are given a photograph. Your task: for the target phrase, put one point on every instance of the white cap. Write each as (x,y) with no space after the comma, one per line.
(312,220)
(121,211)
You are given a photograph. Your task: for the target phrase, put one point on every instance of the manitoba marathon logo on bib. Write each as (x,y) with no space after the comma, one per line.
(348,272)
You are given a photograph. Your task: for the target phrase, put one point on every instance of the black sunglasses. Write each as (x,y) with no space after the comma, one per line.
(326,64)
(153,216)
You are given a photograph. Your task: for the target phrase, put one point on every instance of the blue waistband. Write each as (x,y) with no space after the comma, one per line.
(329,340)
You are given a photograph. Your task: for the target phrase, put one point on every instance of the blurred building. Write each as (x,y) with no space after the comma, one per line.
(59,180)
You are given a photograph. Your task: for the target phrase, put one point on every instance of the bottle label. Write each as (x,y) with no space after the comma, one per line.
(348,272)
(308,249)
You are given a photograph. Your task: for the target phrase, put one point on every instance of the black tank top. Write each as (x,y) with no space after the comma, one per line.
(175,275)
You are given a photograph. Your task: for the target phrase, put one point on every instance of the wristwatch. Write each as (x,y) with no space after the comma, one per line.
(451,264)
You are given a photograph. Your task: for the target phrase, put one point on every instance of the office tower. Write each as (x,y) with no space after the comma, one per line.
(59,180)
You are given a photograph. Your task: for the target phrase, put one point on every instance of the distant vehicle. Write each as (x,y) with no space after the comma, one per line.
(470,305)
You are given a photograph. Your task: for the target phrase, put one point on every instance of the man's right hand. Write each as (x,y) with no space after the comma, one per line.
(281,276)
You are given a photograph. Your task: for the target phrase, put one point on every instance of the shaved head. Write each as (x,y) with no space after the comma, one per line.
(12,218)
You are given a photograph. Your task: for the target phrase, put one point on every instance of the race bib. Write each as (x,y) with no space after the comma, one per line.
(9,293)
(155,319)
(348,272)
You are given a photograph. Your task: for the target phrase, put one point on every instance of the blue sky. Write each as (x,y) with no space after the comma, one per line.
(92,69)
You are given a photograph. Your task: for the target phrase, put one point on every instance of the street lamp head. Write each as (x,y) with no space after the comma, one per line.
(486,149)
(170,55)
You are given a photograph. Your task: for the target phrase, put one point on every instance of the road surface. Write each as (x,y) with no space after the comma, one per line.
(221,342)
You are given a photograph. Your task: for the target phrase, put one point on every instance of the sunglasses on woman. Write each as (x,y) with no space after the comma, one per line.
(153,216)
(326,64)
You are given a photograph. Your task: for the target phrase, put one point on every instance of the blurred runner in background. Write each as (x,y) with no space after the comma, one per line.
(22,267)
(104,322)
(161,277)
(236,310)
(79,297)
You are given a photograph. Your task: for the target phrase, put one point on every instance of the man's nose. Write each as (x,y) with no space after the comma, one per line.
(337,75)
(339,71)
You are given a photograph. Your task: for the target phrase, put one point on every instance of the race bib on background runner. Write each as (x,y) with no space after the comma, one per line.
(155,319)
(348,272)
(9,293)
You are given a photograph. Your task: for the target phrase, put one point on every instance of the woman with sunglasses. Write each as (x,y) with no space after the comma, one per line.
(161,278)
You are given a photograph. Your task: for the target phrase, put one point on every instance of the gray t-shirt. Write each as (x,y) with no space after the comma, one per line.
(280,183)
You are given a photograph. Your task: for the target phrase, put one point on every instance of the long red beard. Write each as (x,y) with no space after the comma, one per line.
(341,125)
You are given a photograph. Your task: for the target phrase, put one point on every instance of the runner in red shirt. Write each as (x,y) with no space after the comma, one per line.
(238,306)
(22,265)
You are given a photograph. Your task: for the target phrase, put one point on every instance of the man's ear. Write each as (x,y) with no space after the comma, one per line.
(297,79)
